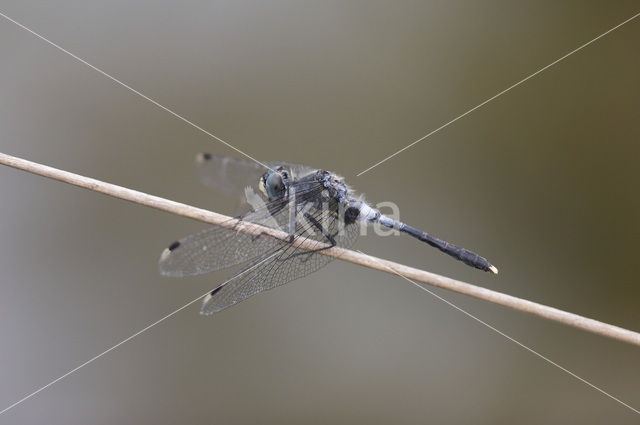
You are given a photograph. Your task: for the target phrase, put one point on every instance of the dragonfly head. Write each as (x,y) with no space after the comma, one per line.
(275,183)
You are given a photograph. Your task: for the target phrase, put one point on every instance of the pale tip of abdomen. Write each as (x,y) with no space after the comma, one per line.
(493,269)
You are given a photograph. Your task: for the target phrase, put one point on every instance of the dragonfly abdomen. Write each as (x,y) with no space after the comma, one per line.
(468,257)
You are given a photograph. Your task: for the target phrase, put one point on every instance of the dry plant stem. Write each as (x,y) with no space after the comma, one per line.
(177,208)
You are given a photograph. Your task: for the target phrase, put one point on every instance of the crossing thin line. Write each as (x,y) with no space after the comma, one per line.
(499,94)
(94,358)
(131,89)
(531,350)
(248,156)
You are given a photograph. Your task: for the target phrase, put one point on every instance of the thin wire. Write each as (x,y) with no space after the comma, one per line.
(499,94)
(91,360)
(531,350)
(114,79)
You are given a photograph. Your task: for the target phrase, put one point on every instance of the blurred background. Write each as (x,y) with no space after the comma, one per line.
(542,181)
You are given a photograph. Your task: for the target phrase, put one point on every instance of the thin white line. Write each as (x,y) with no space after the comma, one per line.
(499,94)
(25,398)
(101,354)
(513,340)
(175,114)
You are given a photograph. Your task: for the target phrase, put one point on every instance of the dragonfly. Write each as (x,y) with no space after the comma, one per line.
(305,204)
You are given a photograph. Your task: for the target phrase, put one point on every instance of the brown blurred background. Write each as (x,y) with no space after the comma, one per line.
(543,181)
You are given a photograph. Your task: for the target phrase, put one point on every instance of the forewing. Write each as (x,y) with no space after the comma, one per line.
(220,247)
(211,249)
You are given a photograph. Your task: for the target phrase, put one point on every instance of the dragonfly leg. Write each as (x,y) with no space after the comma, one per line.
(330,238)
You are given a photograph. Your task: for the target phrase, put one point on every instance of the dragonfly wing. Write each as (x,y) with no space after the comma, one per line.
(220,247)
(226,174)
(215,248)
(267,262)
(230,175)
(282,264)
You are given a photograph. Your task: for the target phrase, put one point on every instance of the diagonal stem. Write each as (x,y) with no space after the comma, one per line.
(551,313)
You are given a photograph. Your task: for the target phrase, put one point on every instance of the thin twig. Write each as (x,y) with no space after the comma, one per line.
(177,208)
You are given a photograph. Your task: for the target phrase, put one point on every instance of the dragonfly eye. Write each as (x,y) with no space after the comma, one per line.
(274,186)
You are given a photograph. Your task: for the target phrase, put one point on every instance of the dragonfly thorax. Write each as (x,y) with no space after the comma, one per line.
(334,185)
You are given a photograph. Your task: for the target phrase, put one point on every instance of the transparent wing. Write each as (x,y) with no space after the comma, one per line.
(231,175)
(227,174)
(283,263)
(266,262)
(219,247)
(212,249)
